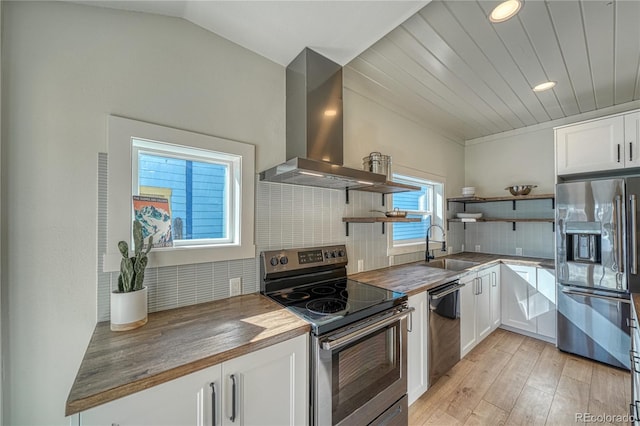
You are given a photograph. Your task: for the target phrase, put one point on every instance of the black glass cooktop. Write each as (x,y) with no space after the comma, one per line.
(332,304)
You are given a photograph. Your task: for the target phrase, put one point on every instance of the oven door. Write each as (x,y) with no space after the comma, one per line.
(360,371)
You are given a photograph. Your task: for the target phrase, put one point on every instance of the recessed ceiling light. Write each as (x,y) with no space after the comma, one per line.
(505,10)
(544,86)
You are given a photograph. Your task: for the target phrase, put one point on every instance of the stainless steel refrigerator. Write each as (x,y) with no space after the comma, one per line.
(596,265)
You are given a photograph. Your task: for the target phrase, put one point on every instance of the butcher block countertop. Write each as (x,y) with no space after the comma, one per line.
(175,343)
(414,278)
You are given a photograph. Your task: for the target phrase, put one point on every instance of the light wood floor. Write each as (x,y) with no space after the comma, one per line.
(510,379)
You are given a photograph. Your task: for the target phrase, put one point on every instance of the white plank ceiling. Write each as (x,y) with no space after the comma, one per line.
(446,66)
(451,68)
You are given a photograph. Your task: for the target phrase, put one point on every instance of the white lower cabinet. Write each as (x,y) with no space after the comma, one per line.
(271,388)
(478,307)
(468,336)
(529,300)
(496,297)
(418,347)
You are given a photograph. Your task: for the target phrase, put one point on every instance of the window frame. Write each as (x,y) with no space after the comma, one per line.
(121,131)
(438,212)
(232,200)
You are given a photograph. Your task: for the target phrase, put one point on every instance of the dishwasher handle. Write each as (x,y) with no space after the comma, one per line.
(443,293)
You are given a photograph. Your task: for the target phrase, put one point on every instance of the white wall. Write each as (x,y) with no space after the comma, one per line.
(66,68)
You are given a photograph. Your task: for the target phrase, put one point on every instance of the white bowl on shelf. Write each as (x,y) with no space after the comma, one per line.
(469,215)
(468,191)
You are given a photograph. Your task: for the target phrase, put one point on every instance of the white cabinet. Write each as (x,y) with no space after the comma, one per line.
(518,285)
(271,388)
(544,305)
(603,144)
(529,300)
(468,337)
(183,401)
(477,307)
(417,347)
(496,302)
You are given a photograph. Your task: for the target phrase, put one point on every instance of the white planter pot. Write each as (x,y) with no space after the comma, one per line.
(128,310)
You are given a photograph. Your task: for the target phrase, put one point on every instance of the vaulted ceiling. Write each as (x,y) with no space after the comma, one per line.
(445,64)
(450,67)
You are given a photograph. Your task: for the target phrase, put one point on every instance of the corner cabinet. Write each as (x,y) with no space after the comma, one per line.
(529,300)
(513,199)
(609,143)
(265,387)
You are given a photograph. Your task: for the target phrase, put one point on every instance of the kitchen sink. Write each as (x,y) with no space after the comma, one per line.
(451,264)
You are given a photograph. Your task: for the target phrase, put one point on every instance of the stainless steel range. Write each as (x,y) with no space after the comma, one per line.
(358,335)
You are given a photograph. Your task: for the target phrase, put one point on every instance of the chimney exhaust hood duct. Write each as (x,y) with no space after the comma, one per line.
(314,128)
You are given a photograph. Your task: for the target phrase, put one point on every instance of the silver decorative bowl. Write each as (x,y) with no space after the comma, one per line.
(520,189)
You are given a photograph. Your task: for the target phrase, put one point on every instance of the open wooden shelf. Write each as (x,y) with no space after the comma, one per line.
(389,187)
(466,200)
(377,219)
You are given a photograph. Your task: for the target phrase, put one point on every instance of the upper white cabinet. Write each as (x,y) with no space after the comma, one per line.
(417,347)
(265,387)
(598,145)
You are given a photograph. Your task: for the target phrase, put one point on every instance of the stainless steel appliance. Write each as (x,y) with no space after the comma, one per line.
(358,339)
(314,142)
(596,262)
(444,329)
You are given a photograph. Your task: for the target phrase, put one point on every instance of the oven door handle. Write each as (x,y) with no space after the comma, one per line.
(331,344)
(436,296)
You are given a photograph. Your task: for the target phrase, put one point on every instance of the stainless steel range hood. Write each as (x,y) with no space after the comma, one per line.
(314,128)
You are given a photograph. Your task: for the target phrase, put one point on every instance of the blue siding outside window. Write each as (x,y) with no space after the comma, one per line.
(414,200)
(197,193)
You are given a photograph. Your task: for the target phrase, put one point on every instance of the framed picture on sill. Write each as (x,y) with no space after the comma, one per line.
(155,216)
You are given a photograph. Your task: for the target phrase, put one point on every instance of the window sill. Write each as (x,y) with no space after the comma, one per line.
(174,256)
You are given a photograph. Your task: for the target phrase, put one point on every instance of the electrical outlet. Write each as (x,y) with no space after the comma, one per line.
(477,247)
(518,251)
(235,286)
(449,250)
(392,260)
(462,249)
(360,265)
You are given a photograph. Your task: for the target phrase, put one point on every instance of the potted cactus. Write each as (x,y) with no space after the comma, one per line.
(129,301)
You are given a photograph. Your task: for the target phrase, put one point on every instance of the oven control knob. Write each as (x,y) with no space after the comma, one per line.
(274,261)
(341,253)
(334,253)
(327,254)
(284,260)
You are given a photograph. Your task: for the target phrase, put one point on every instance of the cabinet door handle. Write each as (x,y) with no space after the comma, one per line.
(495,280)
(233,398)
(213,403)
(410,329)
(630,151)
(618,153)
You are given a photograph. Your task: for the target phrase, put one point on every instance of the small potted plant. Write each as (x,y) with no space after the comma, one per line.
(129,302)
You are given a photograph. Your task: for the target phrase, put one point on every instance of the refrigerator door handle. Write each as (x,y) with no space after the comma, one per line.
(634,233)
(618,214)
(597,296)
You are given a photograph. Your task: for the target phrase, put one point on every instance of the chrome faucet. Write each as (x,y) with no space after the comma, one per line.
(428,256)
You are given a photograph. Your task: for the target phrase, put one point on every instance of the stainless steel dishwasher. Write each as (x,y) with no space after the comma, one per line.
(444,329)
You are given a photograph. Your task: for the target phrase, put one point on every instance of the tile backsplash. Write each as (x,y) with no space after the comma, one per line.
(289,216)
(536,239)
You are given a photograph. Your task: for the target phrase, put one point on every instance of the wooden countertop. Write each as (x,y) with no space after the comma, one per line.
(175,343)
(414,278)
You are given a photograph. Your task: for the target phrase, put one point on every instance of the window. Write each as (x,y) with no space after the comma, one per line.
(205,183)
(426,204)
(198,185)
